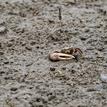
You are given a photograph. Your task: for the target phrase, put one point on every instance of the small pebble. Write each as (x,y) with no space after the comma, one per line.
(2,29)
(103,77)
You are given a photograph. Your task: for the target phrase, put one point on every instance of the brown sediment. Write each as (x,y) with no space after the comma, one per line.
(30,30)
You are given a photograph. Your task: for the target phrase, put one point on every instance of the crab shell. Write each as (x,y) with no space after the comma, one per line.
(72,51)
(76,52)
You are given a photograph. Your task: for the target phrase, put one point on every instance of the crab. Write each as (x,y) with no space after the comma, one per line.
(65,54)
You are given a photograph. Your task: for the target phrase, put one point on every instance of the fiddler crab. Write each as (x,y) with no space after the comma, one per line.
(66,54)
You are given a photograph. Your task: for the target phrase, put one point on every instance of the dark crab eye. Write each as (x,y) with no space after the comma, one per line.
(76,57)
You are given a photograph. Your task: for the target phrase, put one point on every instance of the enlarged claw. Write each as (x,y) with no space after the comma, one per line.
(57,56)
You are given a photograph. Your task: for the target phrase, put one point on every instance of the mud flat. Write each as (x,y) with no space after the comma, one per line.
(29,30)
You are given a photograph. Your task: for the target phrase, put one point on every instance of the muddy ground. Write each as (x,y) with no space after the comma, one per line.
(30,30)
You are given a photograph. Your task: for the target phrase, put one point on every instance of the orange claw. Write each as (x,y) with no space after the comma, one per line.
(57,56)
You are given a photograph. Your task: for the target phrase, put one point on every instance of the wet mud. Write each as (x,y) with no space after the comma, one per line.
(30,30)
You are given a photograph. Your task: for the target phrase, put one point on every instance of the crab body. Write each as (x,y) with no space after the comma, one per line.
(72,51)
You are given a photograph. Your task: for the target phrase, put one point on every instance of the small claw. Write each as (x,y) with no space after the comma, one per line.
(60,56)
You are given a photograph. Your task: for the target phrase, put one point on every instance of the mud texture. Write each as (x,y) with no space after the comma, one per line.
(30,30)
